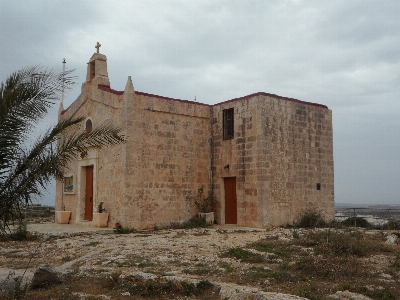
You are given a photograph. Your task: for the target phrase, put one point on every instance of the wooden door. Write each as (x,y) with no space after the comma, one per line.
(230,200)
(89,193)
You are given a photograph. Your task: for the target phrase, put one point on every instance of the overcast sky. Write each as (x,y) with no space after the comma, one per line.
(344,54)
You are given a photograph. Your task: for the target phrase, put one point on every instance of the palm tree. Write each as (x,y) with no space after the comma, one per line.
(26,169)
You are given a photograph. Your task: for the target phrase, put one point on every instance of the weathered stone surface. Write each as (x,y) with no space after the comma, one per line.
(10,283)
(391,239)
(346,295)
(44,276)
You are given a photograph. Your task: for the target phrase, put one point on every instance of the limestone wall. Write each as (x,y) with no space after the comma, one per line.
(240,153)
(296,146)
(168,158)
(101,107)
(280,151)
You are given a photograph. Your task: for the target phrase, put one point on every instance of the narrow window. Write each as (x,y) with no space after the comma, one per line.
(92,70)
(318,186)
(228,123)
(89,125)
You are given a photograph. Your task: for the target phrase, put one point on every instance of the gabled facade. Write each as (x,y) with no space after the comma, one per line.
(266,158)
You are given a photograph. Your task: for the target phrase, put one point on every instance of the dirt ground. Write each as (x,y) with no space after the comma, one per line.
(179,254)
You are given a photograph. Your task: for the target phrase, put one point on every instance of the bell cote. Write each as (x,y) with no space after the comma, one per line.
(97,69)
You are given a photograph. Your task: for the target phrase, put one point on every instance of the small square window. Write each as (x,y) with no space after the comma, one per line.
(318,186)
(228,124)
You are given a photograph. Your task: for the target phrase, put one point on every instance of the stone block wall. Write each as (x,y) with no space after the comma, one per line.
(101,107)
(168,158)
(240,153)
(296,146)
(280,151)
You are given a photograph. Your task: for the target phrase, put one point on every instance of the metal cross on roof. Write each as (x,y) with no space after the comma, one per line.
(98,45)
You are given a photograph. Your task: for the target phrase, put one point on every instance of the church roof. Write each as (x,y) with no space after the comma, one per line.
(107,88)
(236,99)
(273,96)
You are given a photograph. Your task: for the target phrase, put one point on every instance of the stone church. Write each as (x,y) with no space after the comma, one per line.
(268,159)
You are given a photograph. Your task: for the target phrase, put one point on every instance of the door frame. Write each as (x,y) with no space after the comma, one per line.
(90,160)
(224,199)
(89,205)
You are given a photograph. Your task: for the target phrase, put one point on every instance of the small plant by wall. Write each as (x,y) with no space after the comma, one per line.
(122,230)
(100,208)
(194,222)
(205,204)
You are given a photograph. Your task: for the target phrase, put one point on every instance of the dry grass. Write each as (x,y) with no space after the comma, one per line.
(243,254)
(313,264)
(113,286)
(345,242)
(324,261)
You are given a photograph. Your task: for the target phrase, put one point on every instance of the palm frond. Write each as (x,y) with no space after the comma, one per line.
(25,98)
(26,170)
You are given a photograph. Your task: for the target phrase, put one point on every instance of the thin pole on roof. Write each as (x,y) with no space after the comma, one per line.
(63,80)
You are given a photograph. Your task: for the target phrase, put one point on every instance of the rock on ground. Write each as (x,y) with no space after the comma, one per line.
(10,283)
(45,275)
(391,239)
(346,295)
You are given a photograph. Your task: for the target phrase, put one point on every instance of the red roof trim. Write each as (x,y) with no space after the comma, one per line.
(107,88)
(167,98)
(110,90)
(236,99)
(274,96)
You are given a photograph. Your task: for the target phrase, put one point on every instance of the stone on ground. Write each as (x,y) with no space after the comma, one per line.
(10,283)
(44,276)
(346,295)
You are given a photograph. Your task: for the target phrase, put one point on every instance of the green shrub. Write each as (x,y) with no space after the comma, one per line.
(199,270)
(259,272)
(205,204)
(343,243)
(195,222)
(395,262)
(157,288)
(310,292)
(311,219)
(278,248)
(122,230)
(227,266)
(278,275)
(383,293)
(244,255)
(327,267)
(284,276)
(357,221)
(345,286)
(100,207)
(204,285)
(20,233)
(391,225)
(112,281)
